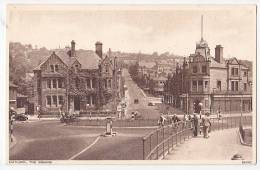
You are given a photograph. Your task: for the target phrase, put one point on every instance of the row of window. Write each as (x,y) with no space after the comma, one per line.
(234,85)
(54,83)
(200,83)
(203,69)
(234,72)
(54,101)
(91,83)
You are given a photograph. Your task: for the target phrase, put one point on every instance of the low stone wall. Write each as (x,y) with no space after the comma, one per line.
(117,123)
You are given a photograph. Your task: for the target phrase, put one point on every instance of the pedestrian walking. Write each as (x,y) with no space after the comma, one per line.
(11,122)
(133,116)
(38,112)
(219,114)
(206,125)
(161,120)
(175,119)
(60,111)
(189,117)
(196,125)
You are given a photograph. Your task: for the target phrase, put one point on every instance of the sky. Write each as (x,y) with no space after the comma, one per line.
(145,29)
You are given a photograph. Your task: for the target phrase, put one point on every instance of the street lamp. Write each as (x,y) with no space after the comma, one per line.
(212,102)
(241,101)
(187,103)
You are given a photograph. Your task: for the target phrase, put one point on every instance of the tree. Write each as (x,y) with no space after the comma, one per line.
(151,85)
(133,71)
(155,54)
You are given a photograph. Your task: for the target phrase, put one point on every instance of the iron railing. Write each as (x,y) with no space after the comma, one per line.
(160,142)
(157,144)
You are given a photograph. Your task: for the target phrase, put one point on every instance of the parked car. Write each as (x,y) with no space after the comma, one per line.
(136,115)
(136,101)
(65,118)
(151,104)
(21,117)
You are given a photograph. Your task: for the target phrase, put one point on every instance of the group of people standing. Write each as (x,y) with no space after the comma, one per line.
(162,120)
(200,124)
(203,122)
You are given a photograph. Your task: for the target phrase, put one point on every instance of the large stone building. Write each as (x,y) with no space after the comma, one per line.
(78,80)
(215,82)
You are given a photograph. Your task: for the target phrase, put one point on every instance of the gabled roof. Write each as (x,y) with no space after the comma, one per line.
(87,59)
(234,59)
(110,60)
(246,64)
(44,59)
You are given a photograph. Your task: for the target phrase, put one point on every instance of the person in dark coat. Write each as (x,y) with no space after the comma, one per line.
(175,119)
(196,125)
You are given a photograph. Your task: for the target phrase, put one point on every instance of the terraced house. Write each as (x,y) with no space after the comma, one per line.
(78,80)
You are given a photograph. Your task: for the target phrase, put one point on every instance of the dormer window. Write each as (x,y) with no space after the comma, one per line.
(195,69)
(234,71)
(56,68)
(76,68)
(52,68)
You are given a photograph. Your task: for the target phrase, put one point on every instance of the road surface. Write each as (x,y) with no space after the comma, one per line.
(134,92)
(52,140)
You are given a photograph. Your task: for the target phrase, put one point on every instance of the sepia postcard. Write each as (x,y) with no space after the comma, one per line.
(131,84)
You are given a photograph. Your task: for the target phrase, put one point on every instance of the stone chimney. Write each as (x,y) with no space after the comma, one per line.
(72,50)
(219,54)
(99,49)
(109,52)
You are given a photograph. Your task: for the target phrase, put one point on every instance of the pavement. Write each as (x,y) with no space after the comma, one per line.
(221,145)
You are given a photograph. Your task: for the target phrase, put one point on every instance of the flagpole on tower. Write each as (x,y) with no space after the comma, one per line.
(201,27)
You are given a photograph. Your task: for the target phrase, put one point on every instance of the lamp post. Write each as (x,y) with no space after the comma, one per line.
(241,110)
(187,104)
(212,102)
(250,92)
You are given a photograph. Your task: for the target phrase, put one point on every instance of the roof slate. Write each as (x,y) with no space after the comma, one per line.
(87,59)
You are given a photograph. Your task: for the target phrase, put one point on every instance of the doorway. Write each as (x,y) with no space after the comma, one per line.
(76,103)
(196,106)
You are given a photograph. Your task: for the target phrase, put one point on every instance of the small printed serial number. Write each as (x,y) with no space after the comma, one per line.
(246,162)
